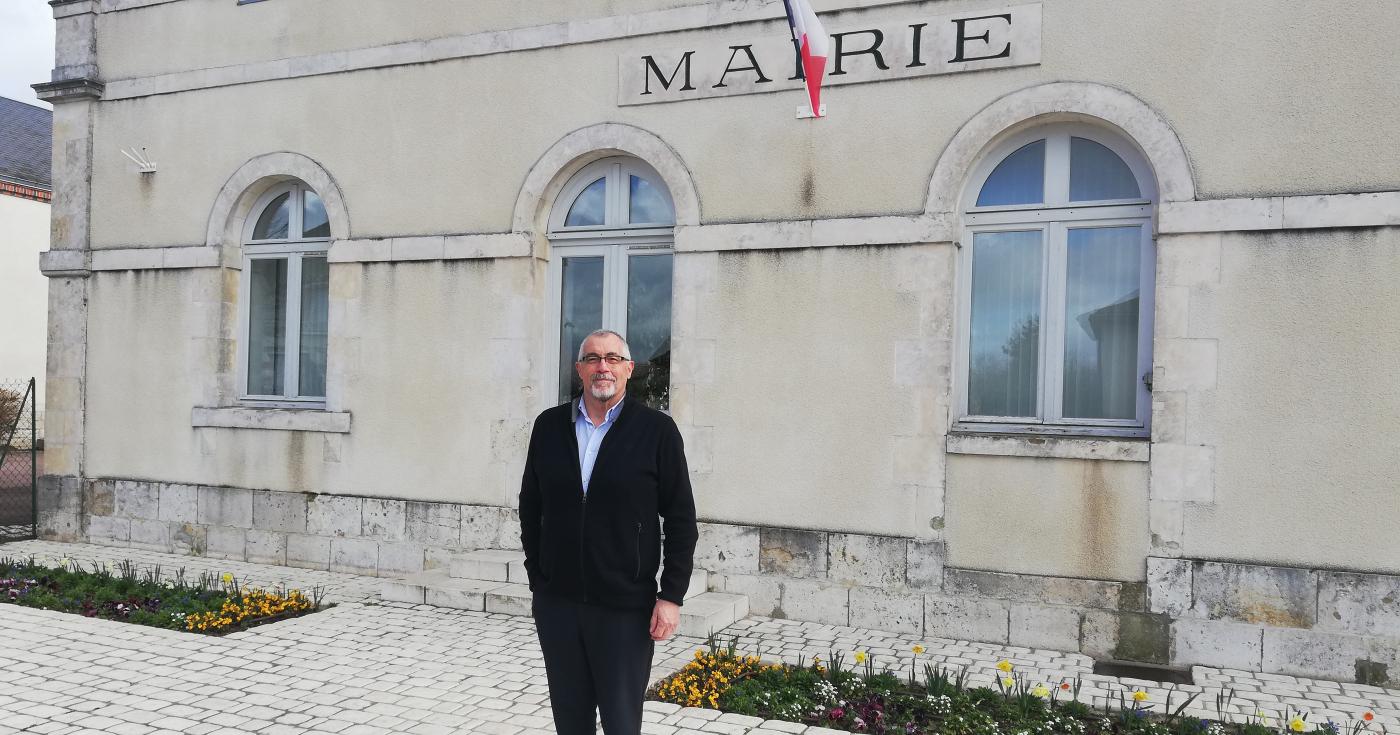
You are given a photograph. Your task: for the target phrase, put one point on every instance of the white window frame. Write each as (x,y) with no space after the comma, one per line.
(293,250)
(616,241)
(1054,218)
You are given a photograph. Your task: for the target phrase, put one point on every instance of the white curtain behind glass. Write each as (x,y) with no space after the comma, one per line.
(1005,324)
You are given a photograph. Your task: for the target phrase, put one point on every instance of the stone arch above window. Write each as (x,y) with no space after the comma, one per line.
(241,193)
(1107,107)
(558,166)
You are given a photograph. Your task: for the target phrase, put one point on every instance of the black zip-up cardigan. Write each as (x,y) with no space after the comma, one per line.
(605,548)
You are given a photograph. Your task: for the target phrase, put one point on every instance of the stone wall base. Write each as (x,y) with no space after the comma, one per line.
(1327,624)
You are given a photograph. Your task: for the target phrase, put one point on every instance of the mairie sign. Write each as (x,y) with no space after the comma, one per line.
(946,44)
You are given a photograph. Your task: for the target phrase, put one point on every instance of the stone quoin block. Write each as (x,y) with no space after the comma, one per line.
(266,547)
(869,561)
(188,538)
(433,524)
(225,542)
(481,527)
(1086,593)
(1044,626)
(764,593)
(308,552)
(878,609)
(816,601)
(179,503)
(400,558)
(1281,597)
(99,498)
(790,552)
(1168,586)
(727,548)
(152,535)
(279,511)
(384,519)
(107,530)
(226,506)
(966,619)
(1217,643)
(354,555)
(1126,636)
(1359,603)
(136,500)
(331,515)
(925,560)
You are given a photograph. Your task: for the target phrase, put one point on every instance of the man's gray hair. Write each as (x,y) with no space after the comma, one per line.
(626,351)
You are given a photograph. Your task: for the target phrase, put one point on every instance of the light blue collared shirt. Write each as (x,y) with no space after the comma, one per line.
(590,437)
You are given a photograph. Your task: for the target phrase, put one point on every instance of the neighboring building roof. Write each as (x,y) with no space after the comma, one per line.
(26,144)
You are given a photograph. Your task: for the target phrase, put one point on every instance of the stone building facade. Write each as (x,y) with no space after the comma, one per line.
(1065,327)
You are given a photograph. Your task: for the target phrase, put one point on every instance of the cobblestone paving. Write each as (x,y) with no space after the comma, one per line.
(365,667)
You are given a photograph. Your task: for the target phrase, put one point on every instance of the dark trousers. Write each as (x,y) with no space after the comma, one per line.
(597,659)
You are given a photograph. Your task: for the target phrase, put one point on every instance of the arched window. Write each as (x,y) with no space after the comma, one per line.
(610,268)
(1056,329)
(284,300)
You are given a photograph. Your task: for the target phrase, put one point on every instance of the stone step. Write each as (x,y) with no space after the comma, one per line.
(703,613)
(496,565)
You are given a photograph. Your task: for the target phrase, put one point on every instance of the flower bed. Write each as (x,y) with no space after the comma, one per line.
(211,604)
(888,703)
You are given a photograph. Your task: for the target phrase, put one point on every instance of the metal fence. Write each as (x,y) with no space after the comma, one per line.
(20,457)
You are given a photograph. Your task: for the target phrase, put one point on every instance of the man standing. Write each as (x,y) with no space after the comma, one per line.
(600,473)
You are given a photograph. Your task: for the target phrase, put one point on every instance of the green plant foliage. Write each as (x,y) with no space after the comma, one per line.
(126,593)
(860,700)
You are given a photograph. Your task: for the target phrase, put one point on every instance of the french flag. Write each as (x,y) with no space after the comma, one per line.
(813,44)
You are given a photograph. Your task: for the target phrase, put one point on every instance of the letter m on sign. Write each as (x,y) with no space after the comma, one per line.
(662,79)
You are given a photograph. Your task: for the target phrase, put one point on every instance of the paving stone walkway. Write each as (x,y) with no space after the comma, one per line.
(364,667)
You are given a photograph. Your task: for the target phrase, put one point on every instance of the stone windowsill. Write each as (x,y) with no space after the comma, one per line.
(277,419)
(1124,449)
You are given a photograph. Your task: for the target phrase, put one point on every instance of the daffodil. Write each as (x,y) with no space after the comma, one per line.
(227,577)
(1368,715)
(1040,690)
(918,649)
(1297,724)
(1005,666)
(860,657)
(1008,682)
(1139,696)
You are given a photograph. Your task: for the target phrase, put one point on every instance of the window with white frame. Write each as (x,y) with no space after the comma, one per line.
(1056,286)
(284,299)
(610,268)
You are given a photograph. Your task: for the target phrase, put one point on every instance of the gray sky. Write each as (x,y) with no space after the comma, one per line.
(26,48)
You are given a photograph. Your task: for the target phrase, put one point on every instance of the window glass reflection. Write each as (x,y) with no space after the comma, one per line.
(272,223)
(1018,179)
(1095,173)
(649,328)
(648,205)
(1101,322)
(1005,324)
(581,312)
(590,208)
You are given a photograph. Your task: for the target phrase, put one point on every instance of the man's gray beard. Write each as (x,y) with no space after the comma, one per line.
(603,390)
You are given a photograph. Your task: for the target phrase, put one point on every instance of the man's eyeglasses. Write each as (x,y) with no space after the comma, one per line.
(612,358)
